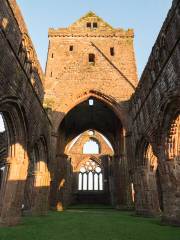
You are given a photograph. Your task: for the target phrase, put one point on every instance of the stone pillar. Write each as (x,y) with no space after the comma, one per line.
(61,189)
(41,193)
(13,192)
(120,182)
(170,178)
(146,194)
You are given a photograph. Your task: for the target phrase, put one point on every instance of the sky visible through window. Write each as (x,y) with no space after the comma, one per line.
(2,127)
(145,17)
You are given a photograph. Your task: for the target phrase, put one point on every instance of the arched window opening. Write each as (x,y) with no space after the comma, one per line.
(91,147)
(3,147)
(90,177)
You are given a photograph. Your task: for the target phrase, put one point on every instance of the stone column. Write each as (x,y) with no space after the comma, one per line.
(61,189)
(41,193)
(13,192)
(170,175)
(146,194)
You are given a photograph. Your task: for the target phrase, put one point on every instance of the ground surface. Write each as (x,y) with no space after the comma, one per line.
(89,224)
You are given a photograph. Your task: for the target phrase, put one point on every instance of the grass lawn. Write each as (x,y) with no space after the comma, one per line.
(90,224)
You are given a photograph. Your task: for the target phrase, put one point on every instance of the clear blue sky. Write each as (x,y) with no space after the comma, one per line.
(144,16)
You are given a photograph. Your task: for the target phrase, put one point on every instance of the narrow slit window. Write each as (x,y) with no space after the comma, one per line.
(71,48)
(91,58)
(51,74)
(95,25)
(52,55)
(88,25)
(112,51)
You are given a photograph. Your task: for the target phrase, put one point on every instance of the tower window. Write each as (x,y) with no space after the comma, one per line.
(71,48)
(94,24)
(91,58)
(88,25)
(112,51)
(52,55)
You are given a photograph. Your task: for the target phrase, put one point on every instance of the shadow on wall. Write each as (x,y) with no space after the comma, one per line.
(18,163)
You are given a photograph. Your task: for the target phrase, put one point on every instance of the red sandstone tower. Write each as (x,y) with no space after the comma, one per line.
(90,60)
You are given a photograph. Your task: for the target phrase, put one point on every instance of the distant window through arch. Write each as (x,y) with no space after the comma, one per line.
(90,177)
(91,102)
(91,147)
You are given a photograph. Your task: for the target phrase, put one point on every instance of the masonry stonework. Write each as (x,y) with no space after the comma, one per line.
(89,92)
(21,99)
(155,123)
(72,77)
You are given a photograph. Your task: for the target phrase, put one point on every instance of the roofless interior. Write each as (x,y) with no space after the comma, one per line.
(91,114)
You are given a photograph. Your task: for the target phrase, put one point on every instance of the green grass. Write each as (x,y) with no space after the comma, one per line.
(90,224)
(91,206)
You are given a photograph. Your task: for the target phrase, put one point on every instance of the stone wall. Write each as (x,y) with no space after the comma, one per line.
(69,74)
(154,106)
(143,118)
(21,99)
(72,79)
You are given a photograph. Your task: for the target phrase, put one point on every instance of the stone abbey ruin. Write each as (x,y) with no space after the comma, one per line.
(88,95)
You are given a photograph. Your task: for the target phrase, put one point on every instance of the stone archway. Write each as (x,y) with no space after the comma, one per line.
(170,164)
(145,180)
(99,117)
(38,180)
(16,163)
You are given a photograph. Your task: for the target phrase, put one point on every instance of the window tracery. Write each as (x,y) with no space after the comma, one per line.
(90,177)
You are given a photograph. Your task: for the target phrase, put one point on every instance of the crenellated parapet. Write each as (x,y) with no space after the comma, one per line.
(68,32)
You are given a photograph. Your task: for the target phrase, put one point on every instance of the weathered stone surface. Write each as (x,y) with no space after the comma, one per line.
(155,120)
(21,98)
(72,80)
(89,60)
